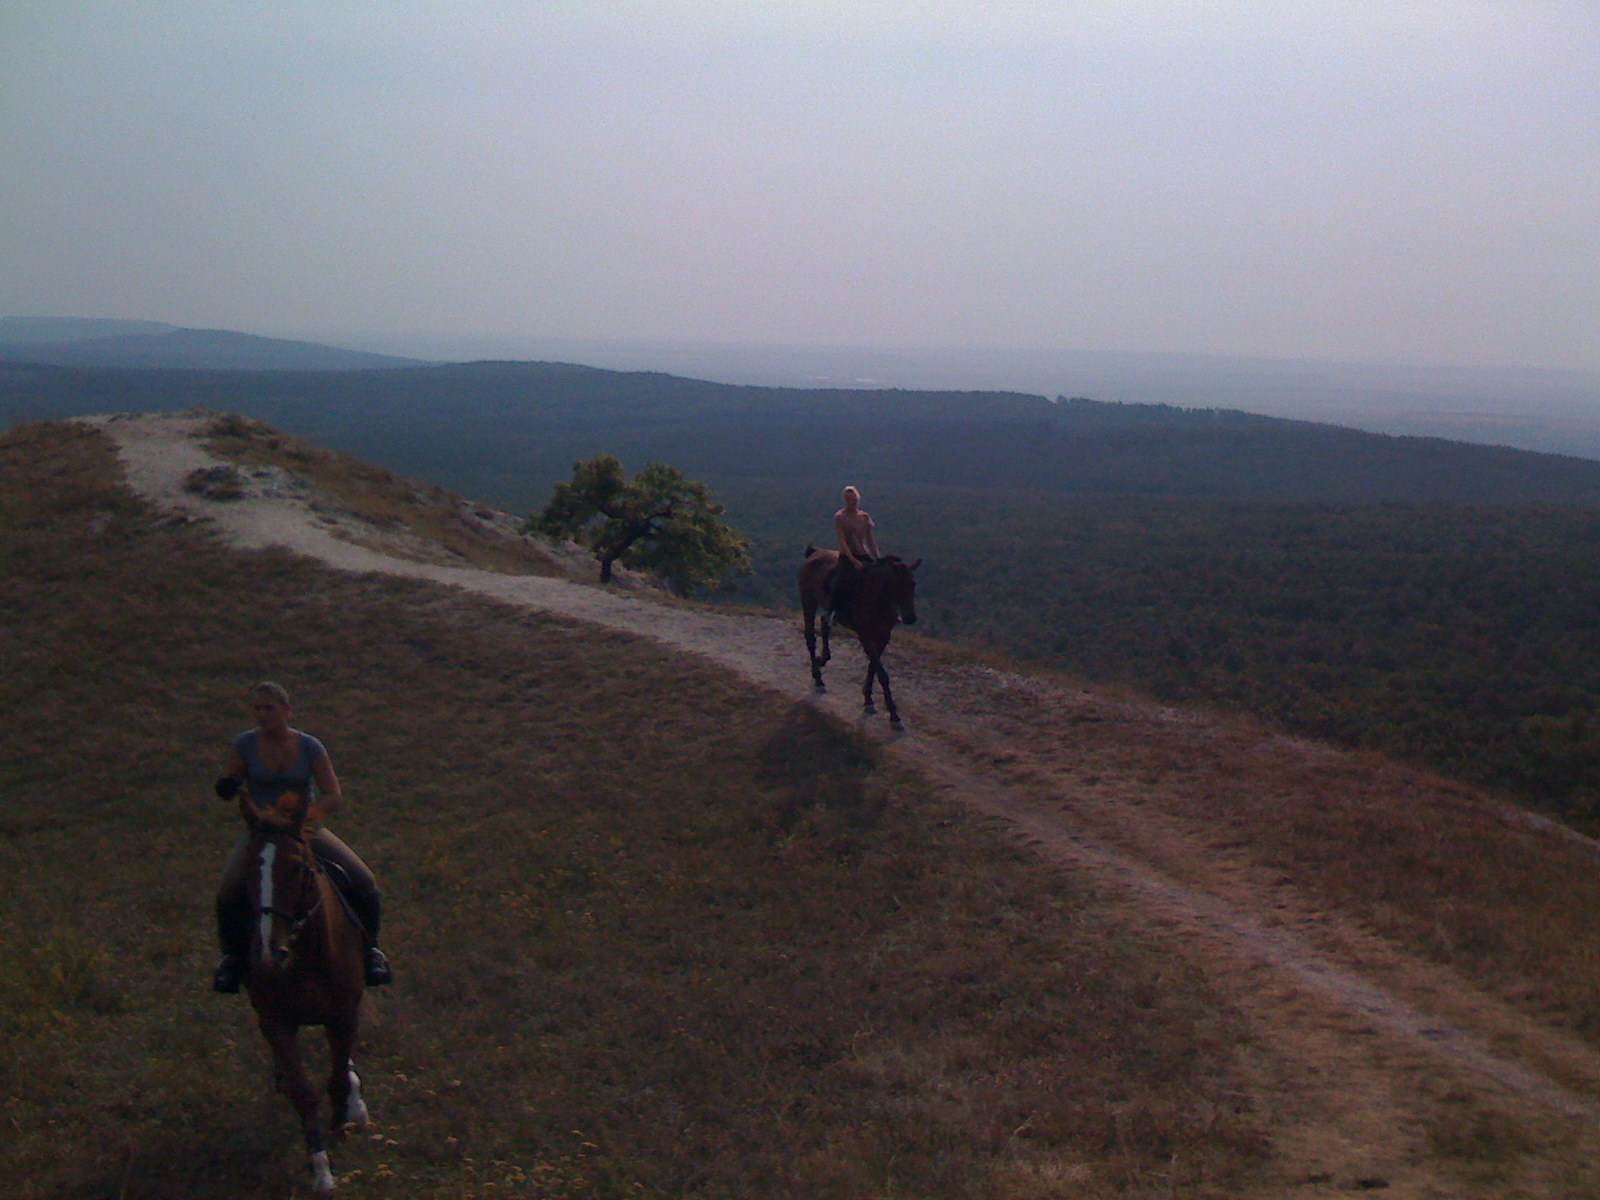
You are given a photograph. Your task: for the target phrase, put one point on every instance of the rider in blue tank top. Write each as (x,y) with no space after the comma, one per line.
(269,762)
(266,785)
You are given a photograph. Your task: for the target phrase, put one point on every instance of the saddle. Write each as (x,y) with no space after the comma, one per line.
(377,965)
(340,879)
(840,585)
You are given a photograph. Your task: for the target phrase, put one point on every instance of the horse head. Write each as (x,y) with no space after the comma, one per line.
(281,885)
(903,588)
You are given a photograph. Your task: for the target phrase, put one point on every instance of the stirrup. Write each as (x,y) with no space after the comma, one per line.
(225,978)
(378,973)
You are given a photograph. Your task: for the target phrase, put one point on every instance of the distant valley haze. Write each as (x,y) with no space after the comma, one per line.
(1554,411)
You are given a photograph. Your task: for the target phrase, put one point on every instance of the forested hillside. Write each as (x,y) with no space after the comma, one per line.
(506,432)
(1464,637)
(1434,599)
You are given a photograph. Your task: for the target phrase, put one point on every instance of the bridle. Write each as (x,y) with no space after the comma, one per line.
(296,921)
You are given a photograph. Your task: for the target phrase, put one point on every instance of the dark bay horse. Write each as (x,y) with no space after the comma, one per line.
(306,968)
(885,595)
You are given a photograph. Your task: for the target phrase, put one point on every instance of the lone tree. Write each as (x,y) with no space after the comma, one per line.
(658,521)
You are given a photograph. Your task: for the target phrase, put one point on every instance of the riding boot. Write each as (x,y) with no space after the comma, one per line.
(377,967)
(233,933)
(369,909)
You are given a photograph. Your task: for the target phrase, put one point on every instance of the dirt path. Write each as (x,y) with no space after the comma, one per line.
(1359,1040)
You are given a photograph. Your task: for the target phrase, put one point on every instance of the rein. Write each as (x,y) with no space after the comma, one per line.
(295,923)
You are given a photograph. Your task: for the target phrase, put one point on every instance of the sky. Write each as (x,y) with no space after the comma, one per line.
(1397,182)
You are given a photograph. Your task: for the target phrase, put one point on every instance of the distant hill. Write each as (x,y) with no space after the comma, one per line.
(84,342)
(505,432)
(1549,410)
(22,331)
(1552,410)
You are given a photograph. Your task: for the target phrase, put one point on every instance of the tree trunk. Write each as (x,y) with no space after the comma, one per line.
(632,531)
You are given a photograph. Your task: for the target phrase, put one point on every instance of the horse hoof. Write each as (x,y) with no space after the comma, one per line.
(321,1176)
(896,723)
(356,1118)
(869,709)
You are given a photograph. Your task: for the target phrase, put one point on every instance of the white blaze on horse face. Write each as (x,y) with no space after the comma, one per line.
(269,854)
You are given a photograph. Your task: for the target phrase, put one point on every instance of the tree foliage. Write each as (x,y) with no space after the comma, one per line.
(659,521)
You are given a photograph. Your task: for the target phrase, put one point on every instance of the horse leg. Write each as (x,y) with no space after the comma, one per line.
(295,1083)
(827,633)
(876,671)
(888,696)
(345,1106)
(811,647)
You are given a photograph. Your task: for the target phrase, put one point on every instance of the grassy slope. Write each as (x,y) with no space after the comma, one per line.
(655,935)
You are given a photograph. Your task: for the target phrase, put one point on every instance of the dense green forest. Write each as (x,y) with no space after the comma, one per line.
(1435,600)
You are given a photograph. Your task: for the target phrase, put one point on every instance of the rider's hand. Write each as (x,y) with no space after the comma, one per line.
(228,786)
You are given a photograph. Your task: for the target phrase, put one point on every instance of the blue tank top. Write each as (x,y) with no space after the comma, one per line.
(266,785)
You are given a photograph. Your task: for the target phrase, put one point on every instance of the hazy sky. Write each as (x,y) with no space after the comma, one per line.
(1384,182)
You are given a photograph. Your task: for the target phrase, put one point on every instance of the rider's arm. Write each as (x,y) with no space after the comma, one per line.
(870,541)
(235,785)
(329,797)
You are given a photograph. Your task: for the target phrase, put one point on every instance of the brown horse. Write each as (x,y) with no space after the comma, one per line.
(885,595)
(305,968)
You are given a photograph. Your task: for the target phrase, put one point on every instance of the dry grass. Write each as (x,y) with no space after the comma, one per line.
(655,934)
(1437,868)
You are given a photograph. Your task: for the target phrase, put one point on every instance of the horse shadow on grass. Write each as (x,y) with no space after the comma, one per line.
(813,771)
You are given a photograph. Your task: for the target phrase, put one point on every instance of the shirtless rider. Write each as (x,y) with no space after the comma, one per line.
(858,548)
